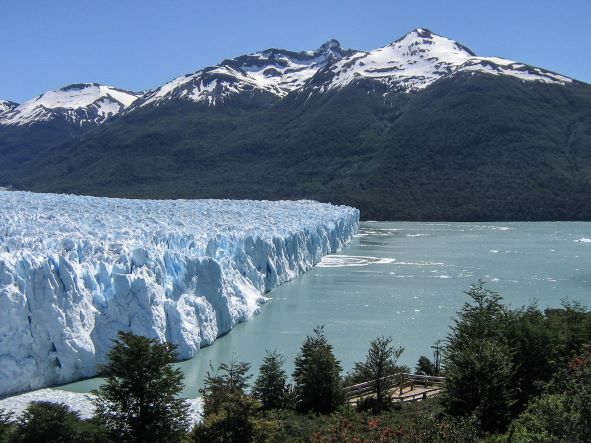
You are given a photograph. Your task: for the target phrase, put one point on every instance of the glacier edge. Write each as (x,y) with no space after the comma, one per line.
(75,270)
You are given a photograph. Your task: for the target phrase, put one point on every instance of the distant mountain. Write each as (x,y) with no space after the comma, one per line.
(55,117)
(419,129)
(419,59)
(275,72)
(412,63)
(6,105)
(78,105)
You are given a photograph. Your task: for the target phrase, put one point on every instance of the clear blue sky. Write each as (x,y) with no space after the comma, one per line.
(140,44)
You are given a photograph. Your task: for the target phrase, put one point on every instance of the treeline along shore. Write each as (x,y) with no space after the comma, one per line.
(501,375)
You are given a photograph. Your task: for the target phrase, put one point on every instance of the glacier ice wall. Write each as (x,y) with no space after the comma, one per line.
(75,270)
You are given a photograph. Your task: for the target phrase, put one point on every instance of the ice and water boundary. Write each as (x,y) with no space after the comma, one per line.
(242,268)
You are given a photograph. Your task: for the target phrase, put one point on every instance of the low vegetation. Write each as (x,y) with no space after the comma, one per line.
(519,375)
(139,400)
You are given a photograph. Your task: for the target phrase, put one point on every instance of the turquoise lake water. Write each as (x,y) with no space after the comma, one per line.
(405,280)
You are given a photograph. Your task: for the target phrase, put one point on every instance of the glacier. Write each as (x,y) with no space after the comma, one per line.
(75,270)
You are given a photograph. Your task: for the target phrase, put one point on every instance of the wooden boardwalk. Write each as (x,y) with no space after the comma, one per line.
(405,388)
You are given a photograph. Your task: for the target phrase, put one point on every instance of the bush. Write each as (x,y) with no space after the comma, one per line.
(479,383)
(444,428)
(6,424)
(228,412)
(46,422)
(563,412)
(379,368)
(478,363)
(138,402)
(234,422)
(425,366)
(270,387)
(317,375)
(542,422)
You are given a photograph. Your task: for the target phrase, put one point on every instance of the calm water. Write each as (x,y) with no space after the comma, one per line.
(405,280)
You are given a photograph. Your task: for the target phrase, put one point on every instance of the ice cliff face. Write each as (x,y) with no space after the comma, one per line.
(75,270)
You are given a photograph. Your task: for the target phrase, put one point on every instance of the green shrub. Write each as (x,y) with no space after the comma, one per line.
(46,422)
(139,400)
(316,376)
(229,414)
(270,387)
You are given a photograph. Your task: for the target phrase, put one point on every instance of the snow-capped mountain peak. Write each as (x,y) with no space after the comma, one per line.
(274,71)
(424,42)
(408,64)
(333,48)
(79,104)
(7,105)
(420,58)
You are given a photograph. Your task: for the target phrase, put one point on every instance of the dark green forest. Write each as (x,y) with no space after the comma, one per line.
(469,147)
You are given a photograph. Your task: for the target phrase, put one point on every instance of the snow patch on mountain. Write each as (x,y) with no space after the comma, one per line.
(421,58)
(75,270)
(77,104)
(6,105)
(409,64)
(274,71)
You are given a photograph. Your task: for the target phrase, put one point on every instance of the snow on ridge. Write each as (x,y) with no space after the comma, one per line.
(79,104)
(210,85)
(74,270)
(273,71)
(409,64)
(6,105)
(420,58)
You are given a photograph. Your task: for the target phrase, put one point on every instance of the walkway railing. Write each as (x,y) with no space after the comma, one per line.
(399,382)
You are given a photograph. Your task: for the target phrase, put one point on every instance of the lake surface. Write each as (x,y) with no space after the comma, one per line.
(405,280)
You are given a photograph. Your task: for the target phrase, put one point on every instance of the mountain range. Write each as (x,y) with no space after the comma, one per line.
(420,129)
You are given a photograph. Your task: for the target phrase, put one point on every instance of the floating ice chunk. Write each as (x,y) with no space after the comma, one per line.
(340,261)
